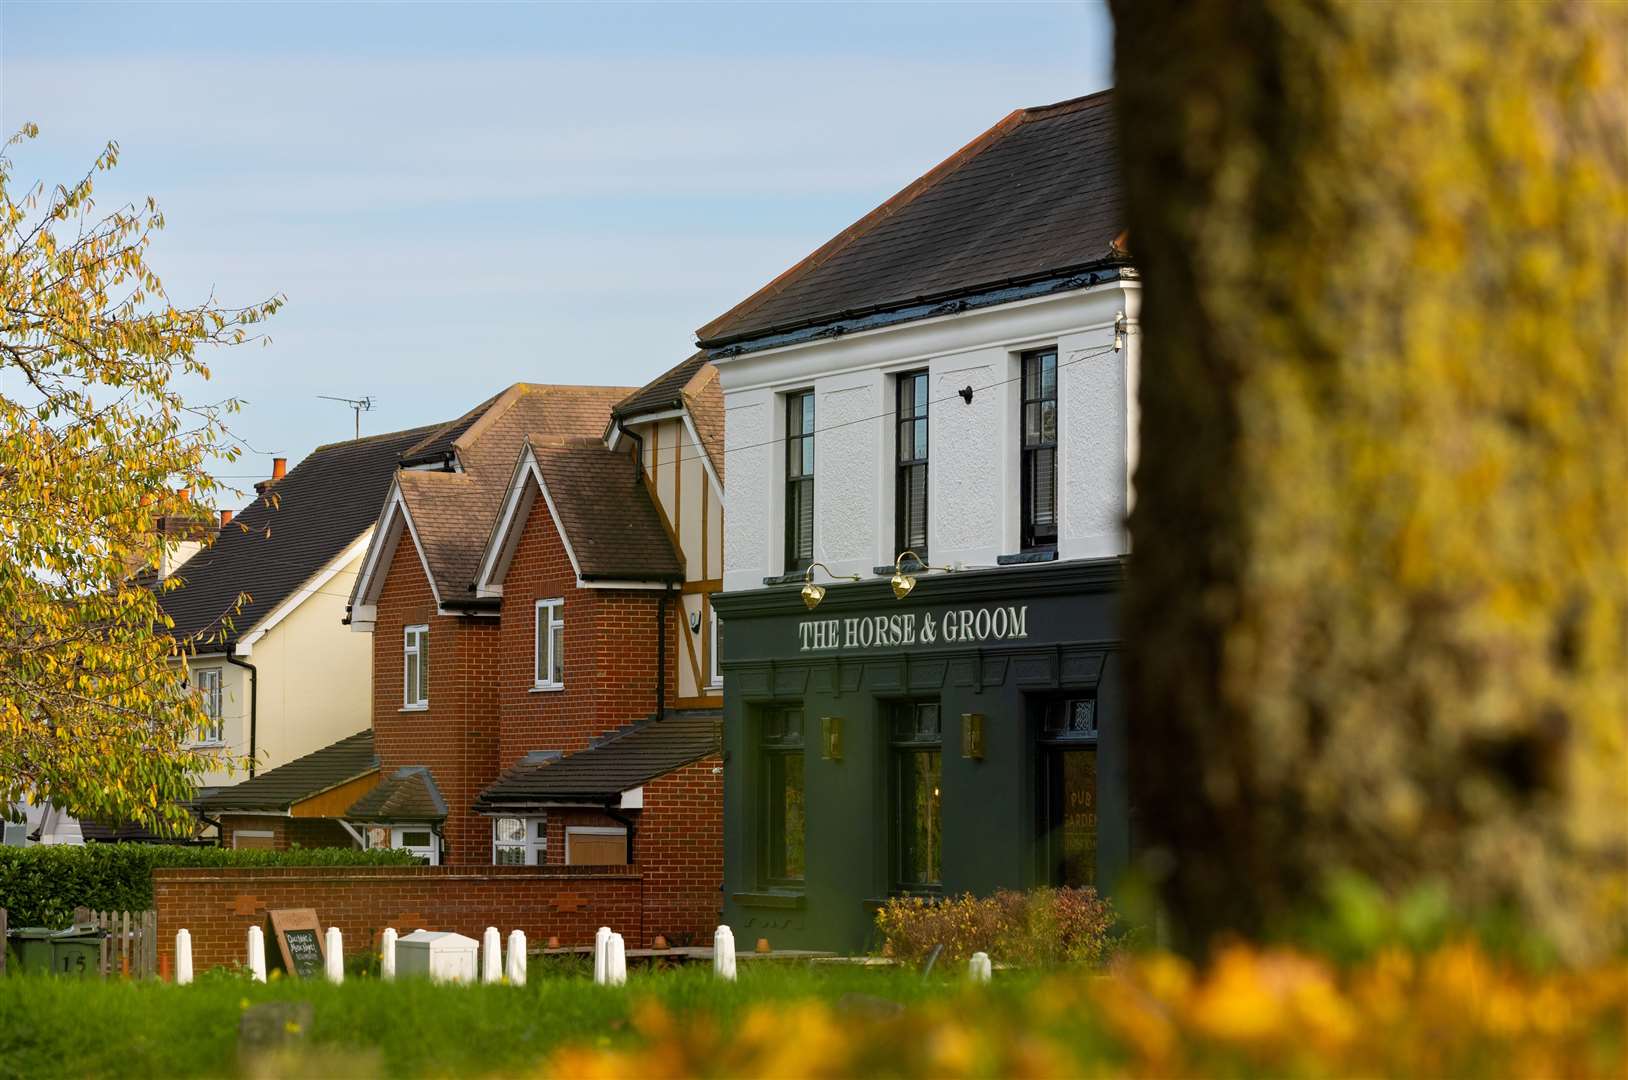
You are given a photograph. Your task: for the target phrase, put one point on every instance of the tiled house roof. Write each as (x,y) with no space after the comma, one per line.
(452,512)
(606,512)
(1036,195)
(621,761)
(290,532)
(409,795)
(351,758)
(692,384)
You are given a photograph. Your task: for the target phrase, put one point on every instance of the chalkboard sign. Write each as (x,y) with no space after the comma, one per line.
(299,941)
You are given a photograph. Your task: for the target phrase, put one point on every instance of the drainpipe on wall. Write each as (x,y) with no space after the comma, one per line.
(254,701)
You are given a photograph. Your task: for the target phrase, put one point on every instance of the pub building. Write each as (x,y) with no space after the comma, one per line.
(930,441)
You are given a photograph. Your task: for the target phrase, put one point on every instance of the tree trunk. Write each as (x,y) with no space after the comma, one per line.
(1378,606)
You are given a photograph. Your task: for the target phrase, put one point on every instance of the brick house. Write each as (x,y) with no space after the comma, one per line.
(539,598)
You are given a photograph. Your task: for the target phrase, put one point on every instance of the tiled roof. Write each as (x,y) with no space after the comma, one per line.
(622,761)
(606,512)
(453,512)
(409,795)
(692,384)
(278,789)
(1037,194)
(290,532)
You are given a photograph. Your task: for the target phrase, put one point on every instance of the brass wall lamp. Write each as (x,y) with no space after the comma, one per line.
(902,582)
(812,593)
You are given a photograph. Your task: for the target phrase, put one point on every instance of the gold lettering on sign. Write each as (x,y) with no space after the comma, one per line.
(1008,622)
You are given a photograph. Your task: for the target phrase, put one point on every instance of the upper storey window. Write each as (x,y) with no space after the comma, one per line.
(549,661)
(1039,448)
(910,481)
(799,481)
(416,667)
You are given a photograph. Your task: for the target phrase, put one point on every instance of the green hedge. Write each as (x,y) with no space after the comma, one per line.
(40,886)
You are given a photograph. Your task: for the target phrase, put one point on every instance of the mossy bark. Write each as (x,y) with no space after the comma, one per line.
(1378,610)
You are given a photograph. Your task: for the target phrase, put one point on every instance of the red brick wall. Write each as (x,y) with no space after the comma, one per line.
(679,846)
(218,905)
(456,737)
(611,642)
(287,832)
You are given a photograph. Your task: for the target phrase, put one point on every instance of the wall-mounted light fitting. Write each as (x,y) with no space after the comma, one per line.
(972,736)
(902,582)
(695,622)
(831,738)
(812,593)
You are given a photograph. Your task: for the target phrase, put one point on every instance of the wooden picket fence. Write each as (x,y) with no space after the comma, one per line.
(130,949)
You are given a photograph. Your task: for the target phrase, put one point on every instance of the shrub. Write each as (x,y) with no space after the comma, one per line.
(1046,926)
(40,886)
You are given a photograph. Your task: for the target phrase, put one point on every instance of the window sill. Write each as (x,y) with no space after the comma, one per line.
(1037,555)
(414,708)
(795,578)
(785,900)
(546,688)
(210,744)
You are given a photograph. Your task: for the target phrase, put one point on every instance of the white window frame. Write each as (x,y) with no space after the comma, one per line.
(535,844)
(715,677)
(213,704)
(259,834)
(433,852)
(412,655)
(543,644)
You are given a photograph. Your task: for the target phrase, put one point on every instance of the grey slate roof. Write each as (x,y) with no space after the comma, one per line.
(409,795)
(620,761)
(1037,194)
(289,533)
(278,789)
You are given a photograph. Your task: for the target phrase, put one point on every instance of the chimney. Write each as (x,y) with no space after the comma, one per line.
(225,518)
(185,493)
(279,469)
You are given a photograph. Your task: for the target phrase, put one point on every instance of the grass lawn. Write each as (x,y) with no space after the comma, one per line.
(64,1027)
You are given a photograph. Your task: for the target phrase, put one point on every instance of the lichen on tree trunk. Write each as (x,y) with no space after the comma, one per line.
(1378,607)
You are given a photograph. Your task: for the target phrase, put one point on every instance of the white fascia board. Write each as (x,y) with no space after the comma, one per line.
(633,799)
(614,584)
(246,643)
(689,427)
(1017,325)
(386,534)
(500,545)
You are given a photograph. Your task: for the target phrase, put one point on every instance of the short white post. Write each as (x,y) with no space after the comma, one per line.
(183,957)
(335,957)
(723,953)
(601,944)
(616,961)
(979,967)
(515,969)
(491,956)
(387,953)
(257,954)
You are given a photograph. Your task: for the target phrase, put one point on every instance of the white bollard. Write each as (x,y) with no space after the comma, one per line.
(335,957)
(491,956)
(183,957)
(723,953)
(257,954)
(387,953)
(515,969)
(616,961)
(601,944)
(979,967)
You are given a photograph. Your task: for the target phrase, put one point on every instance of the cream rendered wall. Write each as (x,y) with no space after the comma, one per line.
(315,676)
(974,492)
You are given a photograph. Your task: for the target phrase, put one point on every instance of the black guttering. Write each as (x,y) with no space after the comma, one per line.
(893,312)
(254,702)
(994,583)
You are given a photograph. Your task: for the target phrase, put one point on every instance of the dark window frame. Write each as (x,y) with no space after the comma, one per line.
(1058,737)
(1034,447)
(778,744)
(800,421)
(906,748)
(910,435)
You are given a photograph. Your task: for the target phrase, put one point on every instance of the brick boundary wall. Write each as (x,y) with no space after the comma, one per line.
(218,905)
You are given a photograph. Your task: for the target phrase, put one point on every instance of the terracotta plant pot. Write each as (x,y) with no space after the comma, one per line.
(763,944)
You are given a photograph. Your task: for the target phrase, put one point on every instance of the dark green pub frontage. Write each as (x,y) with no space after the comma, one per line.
(966,738)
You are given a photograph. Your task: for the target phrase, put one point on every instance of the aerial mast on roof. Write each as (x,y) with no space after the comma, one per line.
(358,405)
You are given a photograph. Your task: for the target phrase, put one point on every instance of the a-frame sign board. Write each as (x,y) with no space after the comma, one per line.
(299,941)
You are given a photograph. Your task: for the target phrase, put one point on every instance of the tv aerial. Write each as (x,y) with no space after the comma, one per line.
(358,406)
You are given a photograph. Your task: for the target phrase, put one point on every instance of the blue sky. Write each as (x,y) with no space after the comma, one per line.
(457,197)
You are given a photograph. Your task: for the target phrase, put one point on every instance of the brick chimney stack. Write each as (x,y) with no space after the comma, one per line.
(225,518)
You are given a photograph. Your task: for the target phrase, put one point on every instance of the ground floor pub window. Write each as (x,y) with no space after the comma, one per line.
(781,739)
(1068,790)
(916,746)
(519,841)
